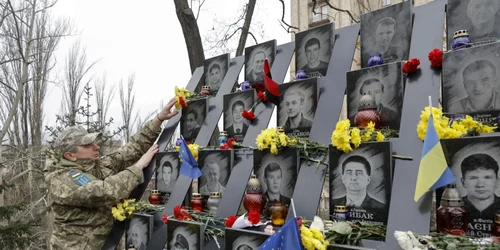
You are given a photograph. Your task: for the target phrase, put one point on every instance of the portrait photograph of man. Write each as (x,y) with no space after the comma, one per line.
(385,84)
(215,70)
(241,239)
(234,124)
(479,17)
(277,174)
(297,106)
(192,119)
(139,231)
(361,181)
(167,171)
(475,163)
(254,60)
(471,81)
(387,32)
(314,49)
(216,168)
(184,235)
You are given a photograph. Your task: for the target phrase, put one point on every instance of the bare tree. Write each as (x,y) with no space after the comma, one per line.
(76,71)
(103,97)
(127,102)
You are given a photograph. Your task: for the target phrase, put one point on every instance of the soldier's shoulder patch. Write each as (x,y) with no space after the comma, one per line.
(79,178)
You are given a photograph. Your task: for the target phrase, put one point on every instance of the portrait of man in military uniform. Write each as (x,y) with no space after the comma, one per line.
(241,239)
(184,235)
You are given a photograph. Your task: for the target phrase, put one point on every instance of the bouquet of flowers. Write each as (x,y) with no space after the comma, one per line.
(345,138)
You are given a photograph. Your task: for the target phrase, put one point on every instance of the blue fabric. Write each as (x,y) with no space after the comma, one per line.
(286,238)
(189,165)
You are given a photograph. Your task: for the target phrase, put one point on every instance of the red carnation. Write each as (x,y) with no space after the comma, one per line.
(165,218)
(224,146)
(230,221)
(183,102)
(411,65)
(180,213)
(261,95)
(177,211)
(436,58)
(230,141)
(254,217)
(249,115)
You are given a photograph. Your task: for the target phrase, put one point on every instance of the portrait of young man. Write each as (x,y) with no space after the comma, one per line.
(192,119)
(387,32)
(215,71)
(167,171)
(314,49)
(361,180)
(234,124)
(475,164)
(297,107)
(215,166)
(384,84)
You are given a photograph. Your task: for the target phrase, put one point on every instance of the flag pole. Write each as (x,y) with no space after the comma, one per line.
(293,209)
(430,104)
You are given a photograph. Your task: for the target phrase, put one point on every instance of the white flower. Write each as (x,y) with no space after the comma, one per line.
(342,228)
(318,224)
(404,240)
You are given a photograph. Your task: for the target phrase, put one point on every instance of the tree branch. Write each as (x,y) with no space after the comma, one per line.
(288,27)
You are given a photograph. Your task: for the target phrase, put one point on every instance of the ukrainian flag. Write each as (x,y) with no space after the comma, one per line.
(433,171)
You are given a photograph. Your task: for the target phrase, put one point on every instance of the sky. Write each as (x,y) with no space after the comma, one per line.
(145,38)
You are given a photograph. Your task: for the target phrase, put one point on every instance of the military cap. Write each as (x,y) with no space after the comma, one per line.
(181,241)
(74,136)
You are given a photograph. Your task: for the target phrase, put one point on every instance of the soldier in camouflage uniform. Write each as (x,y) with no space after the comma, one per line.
(83,187)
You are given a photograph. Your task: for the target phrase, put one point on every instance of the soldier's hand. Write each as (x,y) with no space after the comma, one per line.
(146,158)
(167,113)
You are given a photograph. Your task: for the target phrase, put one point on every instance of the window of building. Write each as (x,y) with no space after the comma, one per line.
(386,2)
(321,13)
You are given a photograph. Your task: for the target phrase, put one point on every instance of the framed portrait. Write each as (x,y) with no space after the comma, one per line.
(297,106)
(241,239)
(216,167)
(480,17)
(234,124)
(361,180)
(215,70)
(167,171)
(254,60)
(471,82)
(192,119)
(184,235)
(475,162)
(387,32)
(313,49)
(277,174)
(385,83)
(139,231)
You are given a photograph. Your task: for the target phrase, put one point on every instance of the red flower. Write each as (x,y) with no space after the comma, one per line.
(183,102)
(224,146)
(259,87)
(180,213)
(261,95)
(299,221)
(411,66)
(165,218)
(436,58)
(254,217)
(230,141)
(230,220)
(249,115)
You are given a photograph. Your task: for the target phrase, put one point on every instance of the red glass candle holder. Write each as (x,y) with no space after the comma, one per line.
(495,231)
(155,197)
(197,202)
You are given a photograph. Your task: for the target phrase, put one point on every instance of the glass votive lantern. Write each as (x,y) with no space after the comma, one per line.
(213,201)
(197,202)
(205,90)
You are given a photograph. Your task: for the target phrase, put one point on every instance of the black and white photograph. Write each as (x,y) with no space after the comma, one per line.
(192,118)
(471,82)
(254,60)
(167,170)
(277,173)
(474,162)
(385,84)
(297,106)
(387,32)
(480,17)
(184,235)
(313,49)
(216,167)
(234,124)
(361,180)
(241,239)
(139,231)
(215,70)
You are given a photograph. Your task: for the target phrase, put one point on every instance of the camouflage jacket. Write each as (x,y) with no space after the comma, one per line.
(81,206)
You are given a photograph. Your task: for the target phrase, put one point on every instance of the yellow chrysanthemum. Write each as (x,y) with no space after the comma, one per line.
(306,231)
(283,140)
(343,125)
(356,137)
(370,126)
(367,136)
(274,149)
(307,243)
(380,136)
(468,122)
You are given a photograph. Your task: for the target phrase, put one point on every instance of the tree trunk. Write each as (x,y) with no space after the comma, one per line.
(246,27)
(191,33)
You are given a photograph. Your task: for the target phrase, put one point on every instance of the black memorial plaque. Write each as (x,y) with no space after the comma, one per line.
(234,124)
(254,60)
(167,172)
(139,231)
(241,239)
(314,50)
(215,71)
(184,235)
(193,117)
(387,32)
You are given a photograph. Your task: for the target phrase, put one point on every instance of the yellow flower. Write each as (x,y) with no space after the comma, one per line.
(283,139)
(370,126)
(355,137)
(367,136)
(380,136)
(178,105)
(306,231)
(468,122)
(487,129)
(307,243)
(317,234)
(343,125)
(177,148)
(341,140)
(274,149)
